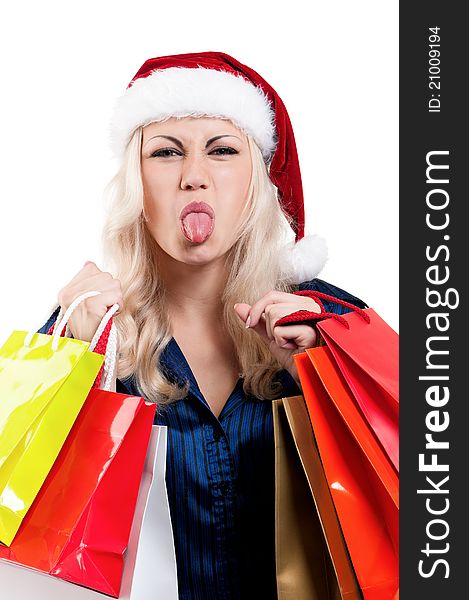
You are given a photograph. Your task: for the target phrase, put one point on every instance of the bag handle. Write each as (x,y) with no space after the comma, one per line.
(63,319)
(305,315)
(110,349)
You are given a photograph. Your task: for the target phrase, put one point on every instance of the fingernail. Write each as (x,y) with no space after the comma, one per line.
(235,305)
(248,322)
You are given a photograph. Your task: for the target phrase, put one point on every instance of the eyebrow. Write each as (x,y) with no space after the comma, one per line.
(180,145)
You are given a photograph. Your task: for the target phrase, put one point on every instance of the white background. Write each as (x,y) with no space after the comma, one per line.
(63,65)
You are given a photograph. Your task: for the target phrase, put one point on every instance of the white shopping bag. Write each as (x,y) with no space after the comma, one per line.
(149,562)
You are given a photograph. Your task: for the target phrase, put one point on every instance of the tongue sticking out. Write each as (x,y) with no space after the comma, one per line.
(197,227)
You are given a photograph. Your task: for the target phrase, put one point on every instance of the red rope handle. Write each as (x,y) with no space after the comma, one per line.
(305,315)
(51,330)
(315,295)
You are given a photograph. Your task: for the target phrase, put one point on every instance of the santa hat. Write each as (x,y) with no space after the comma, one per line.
(215,84)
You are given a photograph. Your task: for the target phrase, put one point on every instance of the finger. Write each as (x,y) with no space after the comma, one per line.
(101,282)
(92,278)
(89,268)
(274,312)
(285,345)
(261,330)
(303,336)
(259,307)
(265,318)
(85,320)
(284,341)
(265,322)
(297,303)
(98,306)
(292,304)
(242,310)
(278,311)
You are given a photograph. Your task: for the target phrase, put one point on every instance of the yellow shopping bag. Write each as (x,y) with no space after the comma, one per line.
(44,381)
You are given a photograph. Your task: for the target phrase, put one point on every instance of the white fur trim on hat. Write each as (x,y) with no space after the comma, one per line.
(303,260)
(183,92)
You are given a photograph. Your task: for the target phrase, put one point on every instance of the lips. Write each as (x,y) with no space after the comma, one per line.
(197,207)
(197,222)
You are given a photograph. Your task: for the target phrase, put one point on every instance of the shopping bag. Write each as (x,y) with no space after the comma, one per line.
(44,381)
(149,561)
(312,560)
(339,393)
(367,354)
(367,512)
(79,524)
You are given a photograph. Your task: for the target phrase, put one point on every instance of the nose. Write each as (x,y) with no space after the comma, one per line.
(194,174)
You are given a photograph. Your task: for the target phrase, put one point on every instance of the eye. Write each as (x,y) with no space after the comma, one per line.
(165,153)
(224,151)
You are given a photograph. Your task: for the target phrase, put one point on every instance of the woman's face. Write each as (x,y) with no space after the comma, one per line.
(205,161)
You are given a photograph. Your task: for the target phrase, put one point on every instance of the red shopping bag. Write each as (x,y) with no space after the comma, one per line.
(339,393)
(366,350)
(362,488)
(367,354)
(79,525)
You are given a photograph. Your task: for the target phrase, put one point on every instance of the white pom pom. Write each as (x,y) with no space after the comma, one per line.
(303,260)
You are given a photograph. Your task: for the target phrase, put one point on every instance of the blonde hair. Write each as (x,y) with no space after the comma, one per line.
(253,270)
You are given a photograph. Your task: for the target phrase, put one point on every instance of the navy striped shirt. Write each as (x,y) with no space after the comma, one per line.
(220,480)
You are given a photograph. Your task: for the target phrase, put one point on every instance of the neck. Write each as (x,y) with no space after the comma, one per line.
(193,292)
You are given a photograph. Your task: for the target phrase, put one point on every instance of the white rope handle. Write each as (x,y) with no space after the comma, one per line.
(110,357)
(68,313)
(61,320)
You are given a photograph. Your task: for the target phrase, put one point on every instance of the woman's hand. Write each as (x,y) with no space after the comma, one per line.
(87,316)
(284,341)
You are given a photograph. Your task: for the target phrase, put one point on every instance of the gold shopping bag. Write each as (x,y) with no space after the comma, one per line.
(312,560)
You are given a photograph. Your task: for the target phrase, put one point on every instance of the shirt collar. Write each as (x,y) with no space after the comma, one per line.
(177,369)
(175,365)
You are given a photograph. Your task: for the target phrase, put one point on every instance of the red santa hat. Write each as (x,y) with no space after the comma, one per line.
(215,84)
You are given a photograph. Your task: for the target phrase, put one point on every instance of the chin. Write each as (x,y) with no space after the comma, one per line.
(199,254)
(194,254)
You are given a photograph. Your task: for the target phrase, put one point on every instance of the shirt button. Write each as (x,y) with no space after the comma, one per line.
(225,487)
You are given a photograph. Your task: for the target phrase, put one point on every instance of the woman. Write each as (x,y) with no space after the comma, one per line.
(198,213)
